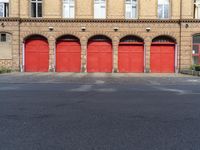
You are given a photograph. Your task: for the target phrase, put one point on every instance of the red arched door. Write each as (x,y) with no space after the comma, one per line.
(131,55)
(68,55)
(99,55)
(162,56)
(36,55)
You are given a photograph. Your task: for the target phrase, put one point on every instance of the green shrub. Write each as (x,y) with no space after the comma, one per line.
(5,70)
(195,67)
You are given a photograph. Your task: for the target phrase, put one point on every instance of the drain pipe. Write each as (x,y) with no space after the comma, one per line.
(145,69)
(23,56)
(54,61)
(19,47)
(180,38)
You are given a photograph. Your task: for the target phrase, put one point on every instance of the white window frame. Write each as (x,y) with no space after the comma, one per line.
(69,9)
(197,9)
(131,4)
(37,2)
(100,9)
(3,3)
(163,3)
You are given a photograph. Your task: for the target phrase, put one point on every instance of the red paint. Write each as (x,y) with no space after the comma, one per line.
(99,57)
(36,56)
(162,58)
(131,58)
(68,56)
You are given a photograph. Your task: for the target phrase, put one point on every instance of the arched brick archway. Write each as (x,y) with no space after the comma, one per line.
(68,54)
(36,55)
(99,54)
(131,54)
(162,54)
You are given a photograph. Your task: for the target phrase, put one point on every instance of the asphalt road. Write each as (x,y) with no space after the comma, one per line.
(99,113)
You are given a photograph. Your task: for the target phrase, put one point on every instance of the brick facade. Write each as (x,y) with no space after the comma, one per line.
(179,27)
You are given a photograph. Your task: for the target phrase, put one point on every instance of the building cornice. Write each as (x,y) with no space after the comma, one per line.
(10,19)
(100,20)
(190,20)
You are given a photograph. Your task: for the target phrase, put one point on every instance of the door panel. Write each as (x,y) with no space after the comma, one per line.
(36,56)
(131,58)
(163,58)
(99,57)
(68,56)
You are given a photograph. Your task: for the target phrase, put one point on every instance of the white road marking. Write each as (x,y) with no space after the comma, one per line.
(154,83)
(106,90)
(99,82)
(82,88)
(178,91)
(8,88)
(193,80)
(181,92)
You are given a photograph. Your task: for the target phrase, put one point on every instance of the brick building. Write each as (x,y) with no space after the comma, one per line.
(99,35)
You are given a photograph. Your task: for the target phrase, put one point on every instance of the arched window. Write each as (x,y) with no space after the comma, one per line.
(68,38)
(4,8)
(100,38)
(99,9)
(196,49)
(68,9)
(36,8)
(163,9)
(197,9)
(131,9)
(163,39)
(131,38)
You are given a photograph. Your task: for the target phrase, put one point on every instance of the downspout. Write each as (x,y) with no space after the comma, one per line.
(180,38)
(19,14)
(145,70)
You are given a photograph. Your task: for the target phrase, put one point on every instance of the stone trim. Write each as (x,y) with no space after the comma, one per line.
(101,20)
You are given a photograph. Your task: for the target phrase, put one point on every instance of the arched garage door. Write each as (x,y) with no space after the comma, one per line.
(99,54)
(163,55)
(36,54)
(68,54)
(131,55)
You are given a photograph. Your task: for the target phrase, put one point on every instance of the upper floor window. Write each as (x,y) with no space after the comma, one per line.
(36,8)
(68,8)
(163,9)
(197,9)
(99,9)
(4,8)
(131,9)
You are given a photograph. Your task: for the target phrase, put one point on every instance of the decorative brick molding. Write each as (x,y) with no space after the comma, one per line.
(27,34)
(60,34)
(49,20)
(166,33)
(103,33)
(131,33)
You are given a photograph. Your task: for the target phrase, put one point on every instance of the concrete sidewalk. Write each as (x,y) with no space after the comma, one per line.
(95,74)
(90,78)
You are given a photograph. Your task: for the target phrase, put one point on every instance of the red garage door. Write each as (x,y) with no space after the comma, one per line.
(131,55)
(68,56)
(99,56)
(36,55)
(163,58)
